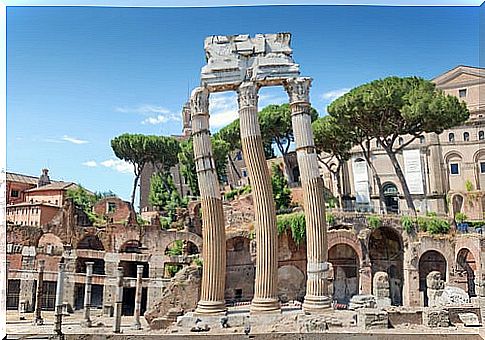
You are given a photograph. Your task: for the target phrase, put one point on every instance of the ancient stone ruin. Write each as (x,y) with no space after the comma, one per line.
(244,64)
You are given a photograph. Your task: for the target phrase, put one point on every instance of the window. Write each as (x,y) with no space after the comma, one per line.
(454,169)
(244,173)
(466,136)
(462,93)
(482,167)
(378,144)
(57,202)
(400,140)
(239,156)
(14,193)
(111,207)
(451,137)
(422,139)
(481,135)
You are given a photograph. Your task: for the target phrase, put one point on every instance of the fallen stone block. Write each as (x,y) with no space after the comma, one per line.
(469,319)
(369,318)
(436,318)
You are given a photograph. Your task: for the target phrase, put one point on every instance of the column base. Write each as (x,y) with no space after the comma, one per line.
(316,304)
(87,323)
(136,326)
(262,306)
(211,308)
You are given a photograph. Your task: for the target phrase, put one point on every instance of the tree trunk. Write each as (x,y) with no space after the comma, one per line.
(288,173)
(135,183)
(339,186)
(402,179)
(233,166)
(376,177)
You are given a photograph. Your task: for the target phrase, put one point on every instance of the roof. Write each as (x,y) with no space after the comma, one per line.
(27,204)
(13,177)
(54,186)
(459,70)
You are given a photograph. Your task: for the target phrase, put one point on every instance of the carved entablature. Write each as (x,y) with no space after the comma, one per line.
(265,59)
(199,100)
(298,89)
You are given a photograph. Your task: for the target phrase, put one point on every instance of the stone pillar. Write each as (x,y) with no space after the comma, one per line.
(118,301)
(316,298)
(266,280)
(40,293)
(59,299)
(87,293)
(139,287)
(434,287)
(365,279)
(213,231)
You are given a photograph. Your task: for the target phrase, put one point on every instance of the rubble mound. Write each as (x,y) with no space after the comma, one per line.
(181,294)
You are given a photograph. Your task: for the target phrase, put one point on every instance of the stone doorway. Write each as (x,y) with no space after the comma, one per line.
(431,260)
(465,271)
(386,255)
(96,296)
(345,272)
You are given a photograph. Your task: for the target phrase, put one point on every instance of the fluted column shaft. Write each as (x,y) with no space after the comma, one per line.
(40,293)
(266,280)
(138,293)
(316,298)
(87,293)
(213,230)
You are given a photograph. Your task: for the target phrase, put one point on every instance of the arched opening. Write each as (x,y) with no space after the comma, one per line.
(457,203)
(345,264)
(240,270)
(91,242)
(296,174)
(465,271)
(181,247)
(431,260)
(386,255)
(391,197)
(132,246)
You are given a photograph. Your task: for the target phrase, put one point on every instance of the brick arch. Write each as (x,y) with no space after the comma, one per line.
(49,238)
(345,237)
(465,243)
(172,236)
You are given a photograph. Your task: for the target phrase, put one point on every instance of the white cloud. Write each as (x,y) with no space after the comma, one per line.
(162,114)
(74,140)
(118,165)
(223,109)
(334,94)
(91,164)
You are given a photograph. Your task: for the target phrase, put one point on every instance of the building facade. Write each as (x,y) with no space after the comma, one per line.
(445,172)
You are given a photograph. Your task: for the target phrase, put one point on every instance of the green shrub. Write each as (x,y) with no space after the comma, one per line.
(460,217)
(422,223)
(374,221)
(431,214)
(236,192)
(438,226)
(165,222)
(176,248)
(407,224)
(197,261)
(295,222)
(330,218)
(468,185)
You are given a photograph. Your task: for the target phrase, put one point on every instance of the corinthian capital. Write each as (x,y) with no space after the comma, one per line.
(199,100)
(247,94)
(298,89)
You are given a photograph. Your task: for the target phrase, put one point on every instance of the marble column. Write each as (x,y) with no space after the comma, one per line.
(40,293)
(213,230)
(316,298)
(138,292)
(59,299)
(118,301)
(87,294)
(266,280)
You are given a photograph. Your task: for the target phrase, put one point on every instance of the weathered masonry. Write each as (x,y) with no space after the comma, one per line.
(245,64)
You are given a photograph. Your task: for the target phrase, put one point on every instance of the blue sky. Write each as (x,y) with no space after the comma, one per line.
(79,76)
